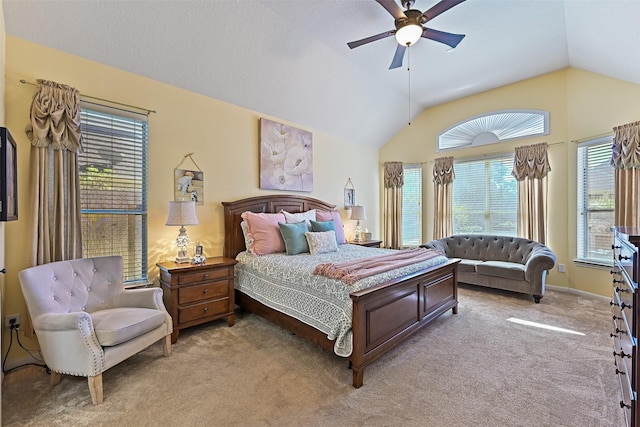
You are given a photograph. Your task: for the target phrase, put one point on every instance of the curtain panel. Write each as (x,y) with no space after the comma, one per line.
(443,176)
(531,169)
(625,158)
(393,182)
(55,137)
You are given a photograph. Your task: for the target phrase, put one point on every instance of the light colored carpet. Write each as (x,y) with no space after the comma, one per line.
(470,369)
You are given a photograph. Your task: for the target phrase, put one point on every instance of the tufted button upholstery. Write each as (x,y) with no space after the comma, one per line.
(504,262)
(86,322)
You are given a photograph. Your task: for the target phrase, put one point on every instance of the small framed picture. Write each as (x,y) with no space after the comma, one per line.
(199,250)
(199,258)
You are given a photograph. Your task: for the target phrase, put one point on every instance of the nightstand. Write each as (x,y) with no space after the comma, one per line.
(368,243)
(195,294)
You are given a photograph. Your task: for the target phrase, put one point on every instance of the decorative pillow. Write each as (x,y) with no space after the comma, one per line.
(337,223)
(264,233)
(307,216)
(248,242)
(322,226)
(294,239)
(322,241)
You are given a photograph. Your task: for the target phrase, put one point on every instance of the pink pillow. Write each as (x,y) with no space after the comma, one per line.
(264,232)
(337,223)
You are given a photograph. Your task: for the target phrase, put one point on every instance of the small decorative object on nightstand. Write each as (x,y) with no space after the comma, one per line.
(368,243)
(195,294)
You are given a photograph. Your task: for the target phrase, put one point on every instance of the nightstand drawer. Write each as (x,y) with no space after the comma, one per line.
(201,276)
(205,309)
(216,289)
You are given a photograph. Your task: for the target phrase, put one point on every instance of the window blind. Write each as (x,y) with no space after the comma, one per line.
(113,188)
(485,197)
(596,200)
(412,206)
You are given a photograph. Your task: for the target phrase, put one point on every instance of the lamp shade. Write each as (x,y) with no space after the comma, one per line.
(182,213)
(357,212)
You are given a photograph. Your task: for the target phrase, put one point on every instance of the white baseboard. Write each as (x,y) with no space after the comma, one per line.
(577,292)
(18,361)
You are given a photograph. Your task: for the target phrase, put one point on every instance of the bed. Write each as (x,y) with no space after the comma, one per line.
(383,315)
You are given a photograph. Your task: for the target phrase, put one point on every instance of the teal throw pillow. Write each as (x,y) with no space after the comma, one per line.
(320,226)
(294,238)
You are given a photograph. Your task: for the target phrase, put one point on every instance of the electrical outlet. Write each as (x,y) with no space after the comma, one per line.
(11,319)
(561,268)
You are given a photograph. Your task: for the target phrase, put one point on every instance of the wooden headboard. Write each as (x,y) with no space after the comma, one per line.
(233,238)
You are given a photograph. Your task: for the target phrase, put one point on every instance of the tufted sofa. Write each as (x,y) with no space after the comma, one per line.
(502,262)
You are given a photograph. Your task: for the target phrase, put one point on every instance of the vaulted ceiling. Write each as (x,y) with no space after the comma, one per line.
(290,60)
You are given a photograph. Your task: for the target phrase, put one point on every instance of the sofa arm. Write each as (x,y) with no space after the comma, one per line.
(437,245)
(540,259)
(143,298)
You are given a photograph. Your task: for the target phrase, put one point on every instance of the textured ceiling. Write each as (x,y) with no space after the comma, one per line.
(290,60)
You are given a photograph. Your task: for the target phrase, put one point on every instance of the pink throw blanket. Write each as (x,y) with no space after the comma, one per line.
(352,271)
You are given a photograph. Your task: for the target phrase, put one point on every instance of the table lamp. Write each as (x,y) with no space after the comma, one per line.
(182,213)
(358,213)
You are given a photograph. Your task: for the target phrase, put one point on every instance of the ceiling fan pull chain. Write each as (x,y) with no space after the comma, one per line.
(409,73)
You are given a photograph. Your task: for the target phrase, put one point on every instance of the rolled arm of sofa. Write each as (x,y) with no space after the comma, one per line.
(437,245)
(539,260)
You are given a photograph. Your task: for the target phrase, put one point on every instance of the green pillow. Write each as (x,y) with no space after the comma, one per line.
(317,226)
(295,241)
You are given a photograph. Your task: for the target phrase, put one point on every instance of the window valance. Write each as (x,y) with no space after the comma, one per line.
(626,146)
(443,172)
(55,116)
(531,161)
(393,175)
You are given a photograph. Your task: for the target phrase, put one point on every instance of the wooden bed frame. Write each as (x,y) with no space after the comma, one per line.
(383,316)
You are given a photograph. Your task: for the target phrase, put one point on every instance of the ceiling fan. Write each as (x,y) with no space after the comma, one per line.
(409,27)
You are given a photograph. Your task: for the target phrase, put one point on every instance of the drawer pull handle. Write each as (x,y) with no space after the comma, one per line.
(620,331)
(622,354)
(206,309)
(621,289)
(618,281)
(623,258)
(205,291)
(206,276)
(624,405)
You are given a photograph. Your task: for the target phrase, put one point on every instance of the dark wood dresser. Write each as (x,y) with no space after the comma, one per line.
(624,305)
(194,294)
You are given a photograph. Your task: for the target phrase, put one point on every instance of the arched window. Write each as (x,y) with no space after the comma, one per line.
(494,127)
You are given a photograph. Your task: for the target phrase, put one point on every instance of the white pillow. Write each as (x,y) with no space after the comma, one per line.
(321,242)
(307,216)
(248,241)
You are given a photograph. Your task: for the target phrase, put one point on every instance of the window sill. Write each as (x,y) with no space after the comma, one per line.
(600,265)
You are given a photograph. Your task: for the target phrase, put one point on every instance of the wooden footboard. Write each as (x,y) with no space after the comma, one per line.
(386,315)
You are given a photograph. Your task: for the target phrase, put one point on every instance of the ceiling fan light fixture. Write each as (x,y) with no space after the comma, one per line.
(409,34)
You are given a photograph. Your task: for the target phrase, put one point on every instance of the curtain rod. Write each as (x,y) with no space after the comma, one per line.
(100,99)
(590,138)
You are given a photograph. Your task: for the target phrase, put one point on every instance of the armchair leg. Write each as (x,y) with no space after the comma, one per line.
(167,345)
(95,388)
(55,378)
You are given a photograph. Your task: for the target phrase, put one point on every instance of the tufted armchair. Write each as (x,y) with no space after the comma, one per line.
(86,322)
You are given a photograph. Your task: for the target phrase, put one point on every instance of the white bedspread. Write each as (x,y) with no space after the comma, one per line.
(286,283)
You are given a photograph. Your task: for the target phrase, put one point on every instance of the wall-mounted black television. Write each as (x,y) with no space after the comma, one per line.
(8,177)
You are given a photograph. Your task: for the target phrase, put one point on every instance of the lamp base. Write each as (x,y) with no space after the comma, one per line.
(182,260)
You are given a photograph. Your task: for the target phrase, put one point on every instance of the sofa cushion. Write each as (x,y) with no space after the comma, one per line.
(117,325)
(508,270)
(468,265)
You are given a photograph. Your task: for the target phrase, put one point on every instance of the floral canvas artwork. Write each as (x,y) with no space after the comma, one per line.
(286,157)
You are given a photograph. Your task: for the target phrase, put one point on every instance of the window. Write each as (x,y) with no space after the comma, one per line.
(596,200)
(113,188)
(485,197)
(412,206)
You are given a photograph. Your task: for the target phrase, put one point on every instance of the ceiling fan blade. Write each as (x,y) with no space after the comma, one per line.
(393,8)
(397,57)
(449,39)
(436,10)
(370,39)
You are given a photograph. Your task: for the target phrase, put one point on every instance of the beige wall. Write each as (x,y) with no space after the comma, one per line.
(581,105)
(223,138)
